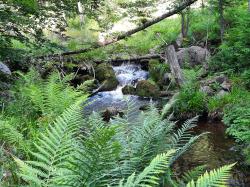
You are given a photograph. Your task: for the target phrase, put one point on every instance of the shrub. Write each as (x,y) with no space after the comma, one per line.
(190,101)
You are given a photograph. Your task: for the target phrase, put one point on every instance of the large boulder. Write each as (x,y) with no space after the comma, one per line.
(128,90)
(106,75)
(146,89)
(192,56)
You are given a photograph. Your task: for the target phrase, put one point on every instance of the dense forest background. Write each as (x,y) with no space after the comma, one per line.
(56,55)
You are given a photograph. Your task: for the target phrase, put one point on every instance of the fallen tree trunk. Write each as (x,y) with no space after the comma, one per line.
(172,60)
(131,59)
(117,61)
(129,33)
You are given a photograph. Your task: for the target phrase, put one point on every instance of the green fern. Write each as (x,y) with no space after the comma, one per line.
(9,134)
(150,176)
(216,177)
(54,149)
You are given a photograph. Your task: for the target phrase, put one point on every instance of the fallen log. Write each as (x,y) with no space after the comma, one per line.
(114,61)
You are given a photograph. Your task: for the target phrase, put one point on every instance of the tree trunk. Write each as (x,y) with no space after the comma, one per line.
(202,4)
(185,22)
(222,24)
(249,5)
(178,9)
(172,60)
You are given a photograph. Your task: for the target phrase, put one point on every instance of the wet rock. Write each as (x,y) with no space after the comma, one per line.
(129,90)
(111,112)
(207,90)
(106,75)
(192,56)
(146,89)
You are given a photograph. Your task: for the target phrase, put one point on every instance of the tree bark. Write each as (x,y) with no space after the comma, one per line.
(222,24)
(172,60)
(185,22)
(249,5)
(178,9)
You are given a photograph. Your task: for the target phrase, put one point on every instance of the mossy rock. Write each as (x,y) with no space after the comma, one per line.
(104,71)
(146,89)
(128,90)
(106,75)
(109,84)
(79,79)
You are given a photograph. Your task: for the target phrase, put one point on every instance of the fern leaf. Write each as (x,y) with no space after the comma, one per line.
(216,177)
(150,175)
(52,148)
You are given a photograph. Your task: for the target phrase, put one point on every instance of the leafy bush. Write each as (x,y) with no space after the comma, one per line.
(190,101)
(35,103)
(237,118)
(245,76)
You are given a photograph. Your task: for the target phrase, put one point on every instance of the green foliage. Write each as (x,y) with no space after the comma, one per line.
(101,154)
(157,70)
(245,76)
(35,103)
(234,52)
(203,26)
(54,147)
(190,101)
(237,118)
(216,177)
(150,176)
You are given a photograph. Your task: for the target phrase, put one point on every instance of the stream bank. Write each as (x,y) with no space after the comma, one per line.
(213,150)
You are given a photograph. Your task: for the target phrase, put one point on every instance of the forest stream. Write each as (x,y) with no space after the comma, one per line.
(213,149)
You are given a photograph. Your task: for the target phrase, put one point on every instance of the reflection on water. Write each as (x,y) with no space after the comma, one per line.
(213,150)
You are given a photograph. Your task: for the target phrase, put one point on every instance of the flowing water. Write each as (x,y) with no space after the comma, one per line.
(213,150)
(126,74)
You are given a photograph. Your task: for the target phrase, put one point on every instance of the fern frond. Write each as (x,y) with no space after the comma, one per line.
(150,175)
(96,158)
(54,149)
(193,174)
(216,177)
(9,134)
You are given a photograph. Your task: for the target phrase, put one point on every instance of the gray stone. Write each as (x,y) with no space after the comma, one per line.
(166,78)
(4,69)
(193,56)
(207,90)
(220,79)
(222,93)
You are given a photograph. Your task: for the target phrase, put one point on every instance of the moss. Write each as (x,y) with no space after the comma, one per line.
(106,75)
(128,90)
(104,71)
(146,89)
